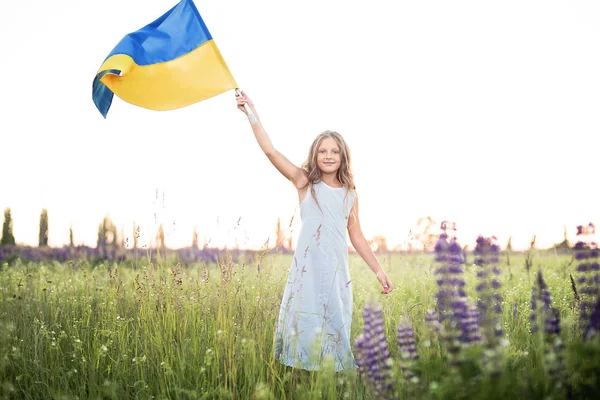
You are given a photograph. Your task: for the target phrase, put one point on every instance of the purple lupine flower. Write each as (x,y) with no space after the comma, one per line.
(554,351)
(489,299)
(466,320)
(588,271)
(361,355)
(441,248)
(408,348)
(369,344)
(373,354)
(543,314)
(449,258)
(594,326)
(552,323)
(384,355)
(432,321)
(406,341)
(472,324)
(454,252)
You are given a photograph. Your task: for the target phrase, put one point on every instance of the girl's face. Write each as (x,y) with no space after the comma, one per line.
(328,156)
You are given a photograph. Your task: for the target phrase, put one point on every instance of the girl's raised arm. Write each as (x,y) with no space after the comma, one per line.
(295,174)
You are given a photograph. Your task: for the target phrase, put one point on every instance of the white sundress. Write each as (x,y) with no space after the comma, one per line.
(316,308)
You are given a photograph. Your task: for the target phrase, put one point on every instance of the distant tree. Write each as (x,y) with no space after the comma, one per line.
(7,229)
(124,240)
(101,244)
(195,238)
(380,243)
(564,245)
(107,232)
(529,255)
(71,241)
(114,237)
(279,235)
(107,236)
(160,238)
(424,233)
(43,234)
(136,235)
(508,251)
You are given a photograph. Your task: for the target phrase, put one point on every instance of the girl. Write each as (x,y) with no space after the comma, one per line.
(316,309)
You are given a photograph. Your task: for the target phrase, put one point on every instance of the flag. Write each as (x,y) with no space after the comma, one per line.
(171,63)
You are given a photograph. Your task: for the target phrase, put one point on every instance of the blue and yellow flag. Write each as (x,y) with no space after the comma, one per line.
(171,63)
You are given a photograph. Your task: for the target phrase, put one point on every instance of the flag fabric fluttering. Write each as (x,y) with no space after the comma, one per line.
(170,63)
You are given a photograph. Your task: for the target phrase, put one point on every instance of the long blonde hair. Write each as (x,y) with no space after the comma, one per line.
(344,173)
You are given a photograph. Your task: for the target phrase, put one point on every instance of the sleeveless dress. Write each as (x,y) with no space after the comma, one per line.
(316,308)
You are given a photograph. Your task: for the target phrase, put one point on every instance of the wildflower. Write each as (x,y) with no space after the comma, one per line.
(373,356)
(594,326)
(361,355)
(489,300)
(449,257)
(459,319)
(540,302)
(548,317)
(408,348)
(470,325)
(588,271)
(432,321)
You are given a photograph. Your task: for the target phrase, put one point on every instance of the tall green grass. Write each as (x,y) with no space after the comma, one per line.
(206,332)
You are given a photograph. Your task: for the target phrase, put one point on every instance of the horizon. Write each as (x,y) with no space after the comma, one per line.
(287,232)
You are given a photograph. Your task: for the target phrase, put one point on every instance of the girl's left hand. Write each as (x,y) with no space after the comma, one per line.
(385,282)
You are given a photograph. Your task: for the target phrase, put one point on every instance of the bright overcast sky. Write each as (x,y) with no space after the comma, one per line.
(483,113)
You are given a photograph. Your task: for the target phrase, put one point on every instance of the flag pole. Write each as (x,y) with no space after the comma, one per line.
(247,108)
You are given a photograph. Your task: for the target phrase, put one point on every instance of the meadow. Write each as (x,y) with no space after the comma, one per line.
(72,330)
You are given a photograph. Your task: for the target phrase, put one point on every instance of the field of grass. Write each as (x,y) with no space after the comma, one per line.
(70,330)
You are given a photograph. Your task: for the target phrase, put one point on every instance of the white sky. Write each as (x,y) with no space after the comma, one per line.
(484,113)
